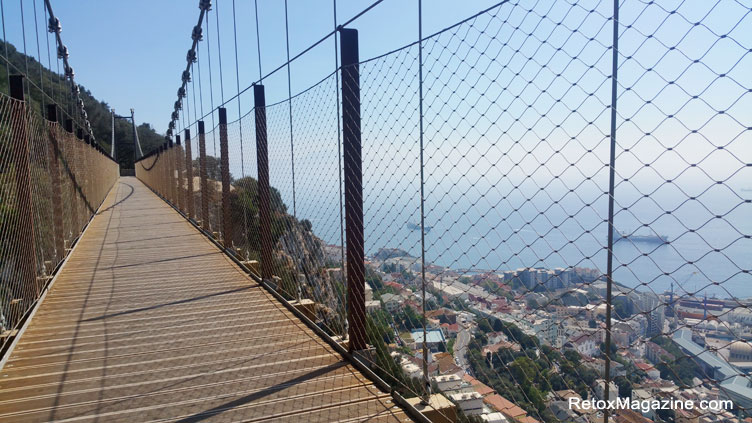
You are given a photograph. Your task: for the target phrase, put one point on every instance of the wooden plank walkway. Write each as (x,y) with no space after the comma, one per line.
(148,321)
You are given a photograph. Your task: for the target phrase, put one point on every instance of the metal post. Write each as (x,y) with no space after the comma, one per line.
(189,175)
(356,310)
(172,186)
(73,164)
(157,170)
(203,175)
(113,151)
(611,178)
(225,163)
(179,173)
(264,191)
(83,172)
(88,174)
(136,145)
(57,198)
(26,259)
(164,168)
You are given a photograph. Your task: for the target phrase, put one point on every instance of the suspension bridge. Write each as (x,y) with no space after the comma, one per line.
(261,260)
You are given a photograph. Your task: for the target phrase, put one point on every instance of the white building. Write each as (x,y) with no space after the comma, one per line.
(369,292)
(494,418)
(447,383)
(471,403)
(547,331)
(372,306)
(599,389)
(412,370)
(391,302)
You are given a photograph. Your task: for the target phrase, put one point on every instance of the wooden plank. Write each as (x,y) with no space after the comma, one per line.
(149,321)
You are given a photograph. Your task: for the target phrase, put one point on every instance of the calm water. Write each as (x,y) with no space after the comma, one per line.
(473,228)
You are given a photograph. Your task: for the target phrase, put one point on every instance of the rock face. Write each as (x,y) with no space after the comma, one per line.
(300,259)
(301,249)
(302,256)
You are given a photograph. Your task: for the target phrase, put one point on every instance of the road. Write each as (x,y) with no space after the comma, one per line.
(460,348)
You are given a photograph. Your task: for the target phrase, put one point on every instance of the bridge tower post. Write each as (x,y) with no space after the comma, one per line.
(57,197)
(225,165)
(353,175)
(26,252)
(189,175)
(264,190)
(204,176)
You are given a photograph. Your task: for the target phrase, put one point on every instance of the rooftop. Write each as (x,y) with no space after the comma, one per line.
(433,336)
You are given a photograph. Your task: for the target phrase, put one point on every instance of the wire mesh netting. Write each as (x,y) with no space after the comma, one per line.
(49,194)
(550,277)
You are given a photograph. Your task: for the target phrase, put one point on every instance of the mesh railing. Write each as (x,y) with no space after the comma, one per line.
(52,184)
(584,230)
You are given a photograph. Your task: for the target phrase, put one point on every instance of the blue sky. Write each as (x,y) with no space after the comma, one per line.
(131,53)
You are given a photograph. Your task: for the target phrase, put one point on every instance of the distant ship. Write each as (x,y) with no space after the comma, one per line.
(416,227)
(651,239)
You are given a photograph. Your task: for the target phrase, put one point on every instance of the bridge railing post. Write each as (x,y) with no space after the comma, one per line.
(158,176)
(225,169)
(72,158)
(164,165)
(173,187)
(82,171)
(204,176)
(26,251)
(189,176)
(353,176)
(179,174)
(166,172)
(264,190)
(88,157)
(57,197)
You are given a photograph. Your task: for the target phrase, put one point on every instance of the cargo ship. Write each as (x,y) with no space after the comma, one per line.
(650,239)
(416,227)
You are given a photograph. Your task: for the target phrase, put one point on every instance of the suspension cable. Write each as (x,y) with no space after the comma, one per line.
(426,398)
(258,41)
(309,48)
(49,61)
(211,84)
(200,87)
(39,51)
(54,26)
(289,96)
(23,33)
(219,55)
(5,42)
(240,123)
(339,152)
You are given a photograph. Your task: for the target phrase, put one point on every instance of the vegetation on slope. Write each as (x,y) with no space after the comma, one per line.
(43,86)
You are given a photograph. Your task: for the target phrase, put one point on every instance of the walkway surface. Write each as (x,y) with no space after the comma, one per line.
(149,321)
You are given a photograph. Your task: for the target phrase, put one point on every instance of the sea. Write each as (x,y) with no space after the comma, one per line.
(497,202)
(476,227)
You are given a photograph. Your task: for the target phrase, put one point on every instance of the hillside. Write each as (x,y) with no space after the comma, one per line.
(98,110)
